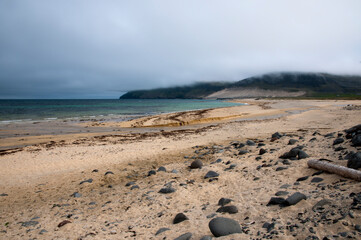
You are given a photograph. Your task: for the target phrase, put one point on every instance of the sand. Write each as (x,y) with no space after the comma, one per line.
(37,181)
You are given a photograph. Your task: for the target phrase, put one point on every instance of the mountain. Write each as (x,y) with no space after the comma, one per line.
(285,84)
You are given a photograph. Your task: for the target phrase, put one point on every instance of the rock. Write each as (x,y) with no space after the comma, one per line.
(95,170)
(281,193)
(161,169)
(354,160)
(319,205)
(224,201)
(167,190)
(276,135)
(250,143)
(90,180)
(185,236)
(228,209)
(224,226)
(268,226)
(134,187)
(316,180)
(338,141)
(285,186)
(262,151)
(276,201)
(294,199)
(76,195)
(130,184)
(196,164)
(180,217)
(211,174)
(356,140)
(242,152)
(4,195)
(174,171)
(291,154)
(151,172)
(42,231)
(29,223)
(354,129)
(108,172)
(281,168)
(302,179)
(292,141)
(206,238)
(63,223)
(161,230)
(302,154)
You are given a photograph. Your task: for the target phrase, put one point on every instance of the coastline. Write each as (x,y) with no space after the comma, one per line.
(49,170)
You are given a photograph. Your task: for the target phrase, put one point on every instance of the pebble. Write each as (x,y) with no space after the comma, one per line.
(130,184)
(108,172)
(295,198)
(302,154)
(281,168)
(281,193)
(276,201)
(3,195)
(242,152)
(90,180)
(151,172)
(268,226)
(42,231)
(228,209)
(174,171)
(262,151)
(167,190)
(29,223)
(63,223)
(185,236)
(196,164)
(250,143)
(338,141)
(302,179)
(316,180)
(292,141)
(161,230)
(161,169)
(180,217)
(224,201)
(76,195)
(211,174)
(134,187)
(224,226)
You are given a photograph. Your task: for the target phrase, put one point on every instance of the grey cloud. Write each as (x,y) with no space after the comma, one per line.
(94,48)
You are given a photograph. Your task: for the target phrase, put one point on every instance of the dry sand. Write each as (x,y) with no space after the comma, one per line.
(37,181)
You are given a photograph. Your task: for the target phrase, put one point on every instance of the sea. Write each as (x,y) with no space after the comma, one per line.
(98,109)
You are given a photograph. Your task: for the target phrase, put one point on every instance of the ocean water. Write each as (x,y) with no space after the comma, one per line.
(77,110)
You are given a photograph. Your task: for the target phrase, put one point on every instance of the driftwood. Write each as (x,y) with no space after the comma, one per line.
(332,168)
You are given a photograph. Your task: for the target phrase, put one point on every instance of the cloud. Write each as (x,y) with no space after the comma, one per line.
(89,48)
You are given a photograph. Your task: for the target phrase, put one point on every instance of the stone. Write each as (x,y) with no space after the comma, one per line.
(76,195)
(356,140)
(185,236)
(281,193)
(262,151)
(292,142)
(224,201)
(294,199)
(276,201)
(180,217)
(316,180)
(161,169)
(224,226)
(134,187)
(151,172)
(130,184)
(354,129)
(161,230)
(354,160)
(250,143)
(63,223)
(242,152)
(302,179)
(276,135)
(211,174)
(167,190)
(196,164)
(4,195)
(302,154)
(228,209)
(29,223)
(108,172)
(338,141)
(268,226)
(90,180)
(281,168)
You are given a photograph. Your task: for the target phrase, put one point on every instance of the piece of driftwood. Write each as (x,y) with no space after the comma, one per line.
(336,169)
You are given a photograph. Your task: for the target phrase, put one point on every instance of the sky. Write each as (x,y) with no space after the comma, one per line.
(103,48)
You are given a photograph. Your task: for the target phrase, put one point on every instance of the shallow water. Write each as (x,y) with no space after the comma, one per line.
(30,110)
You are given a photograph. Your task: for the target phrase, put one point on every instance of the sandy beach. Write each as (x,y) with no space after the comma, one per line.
(102,180)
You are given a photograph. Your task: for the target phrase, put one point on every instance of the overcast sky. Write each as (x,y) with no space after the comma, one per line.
(99,49)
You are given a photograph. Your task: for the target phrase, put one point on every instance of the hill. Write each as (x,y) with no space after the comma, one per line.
(287,84)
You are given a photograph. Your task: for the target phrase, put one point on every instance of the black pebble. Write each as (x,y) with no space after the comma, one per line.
(196,164)
(211,174)
(86,181)
(276,201)
(161,230)
(167,190)
(295,198)
(161,169)
(224,201)
(302,179)
(151,172)
(108,172)
(316,180)
(228,209)
(338,141)
(224,226)
(281,193)
(180,217)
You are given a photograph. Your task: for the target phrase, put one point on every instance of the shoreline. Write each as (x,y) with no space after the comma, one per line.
(42,176)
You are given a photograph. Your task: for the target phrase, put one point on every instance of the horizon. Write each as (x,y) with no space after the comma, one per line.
(87,49)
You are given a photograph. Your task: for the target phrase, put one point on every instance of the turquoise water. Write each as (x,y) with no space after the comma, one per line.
(27,110)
